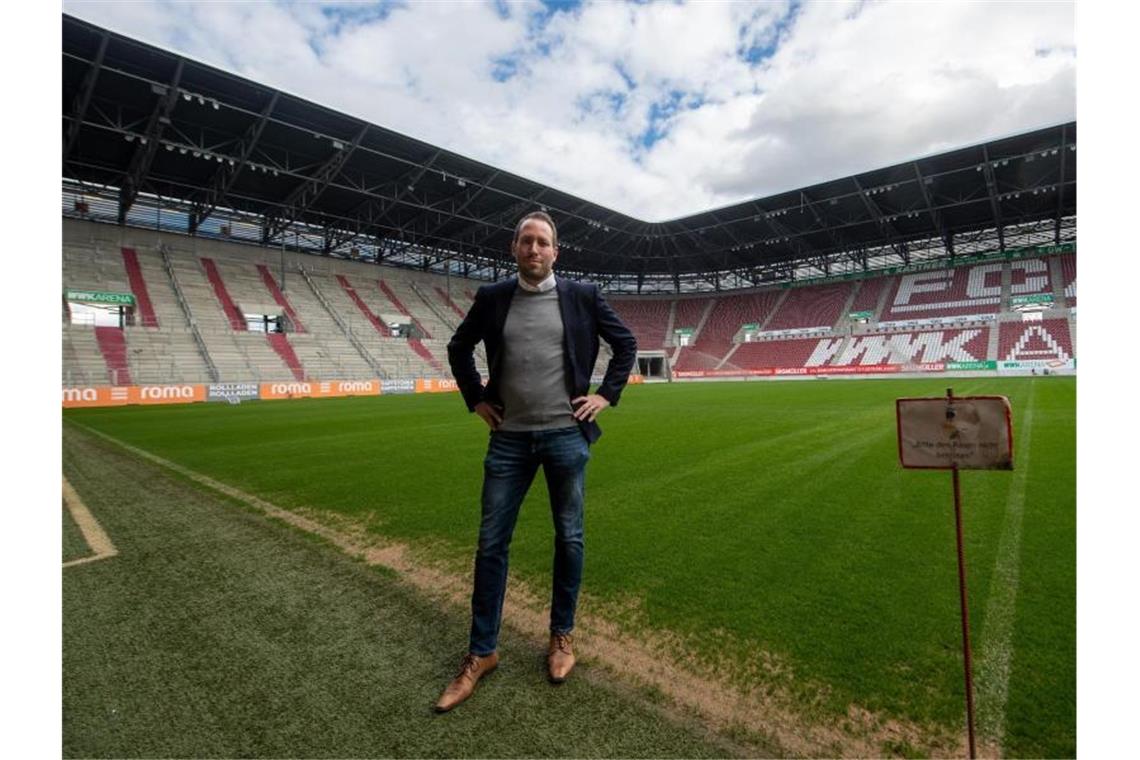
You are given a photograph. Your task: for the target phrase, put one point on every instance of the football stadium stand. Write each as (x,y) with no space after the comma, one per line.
(1048,339)
(217,312)
(647,319)
(269,239)
(812,306)
(1029,277)
(958,292)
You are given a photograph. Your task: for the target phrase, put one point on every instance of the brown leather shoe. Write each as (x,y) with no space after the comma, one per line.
(560,658)
(471,670)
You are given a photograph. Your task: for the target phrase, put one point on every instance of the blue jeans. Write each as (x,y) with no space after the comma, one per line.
(512,460)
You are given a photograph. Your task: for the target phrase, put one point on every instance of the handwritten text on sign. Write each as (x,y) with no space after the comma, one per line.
(967,432)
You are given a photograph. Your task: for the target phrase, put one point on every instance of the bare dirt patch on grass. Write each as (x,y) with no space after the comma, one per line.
(761,719)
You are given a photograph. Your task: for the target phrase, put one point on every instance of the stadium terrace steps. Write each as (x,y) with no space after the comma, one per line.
(1027,277)
(451,304)
(1069,278)
(337,306)
(646,320)
(363,307)
(139,289)
(1047,339)
(868,294)
(280,298)
(669,325)
(395,355)
(213,326)
(237,321)
(907,347)
(83,362)
(965,291)
(768,354)
(947,292)
(993,342)
(722,323)
(1057,278)
(161,290)
(337,345)
(326,352)
(280,343)
(400,307)
(689,358)
(884,297)
(811,306)
(114,349)
(92,265)
(422,350)
(165,355)
(691,313)
(725,362)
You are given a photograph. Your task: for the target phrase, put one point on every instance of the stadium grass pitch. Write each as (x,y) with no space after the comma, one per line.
(767,526)
(217,632)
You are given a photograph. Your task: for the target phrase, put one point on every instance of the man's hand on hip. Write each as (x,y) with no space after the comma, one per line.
(589,406)
(492,416)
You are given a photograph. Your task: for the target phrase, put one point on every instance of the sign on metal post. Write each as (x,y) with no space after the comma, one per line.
(967,432)
(957,433)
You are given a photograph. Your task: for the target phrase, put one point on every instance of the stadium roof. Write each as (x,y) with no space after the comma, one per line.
(150,123)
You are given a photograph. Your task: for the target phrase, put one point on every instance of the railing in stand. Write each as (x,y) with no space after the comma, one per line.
(340,323)
(182,302)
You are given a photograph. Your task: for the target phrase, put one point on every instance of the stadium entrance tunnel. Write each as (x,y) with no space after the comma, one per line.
(652,365)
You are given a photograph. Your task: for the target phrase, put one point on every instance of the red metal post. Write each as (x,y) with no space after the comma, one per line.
(965,608)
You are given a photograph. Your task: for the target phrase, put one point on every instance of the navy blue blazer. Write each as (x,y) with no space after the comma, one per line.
(585,317)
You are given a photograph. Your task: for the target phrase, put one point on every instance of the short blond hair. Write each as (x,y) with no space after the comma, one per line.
(541,216)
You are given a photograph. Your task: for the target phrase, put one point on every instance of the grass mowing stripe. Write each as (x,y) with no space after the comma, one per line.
(997,631)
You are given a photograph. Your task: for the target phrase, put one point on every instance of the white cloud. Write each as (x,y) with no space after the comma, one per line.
(651,109)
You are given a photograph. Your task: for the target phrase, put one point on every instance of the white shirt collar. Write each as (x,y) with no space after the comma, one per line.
(542,287)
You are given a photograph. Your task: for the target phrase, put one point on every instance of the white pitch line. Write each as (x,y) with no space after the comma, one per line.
(997,631)
(93,533)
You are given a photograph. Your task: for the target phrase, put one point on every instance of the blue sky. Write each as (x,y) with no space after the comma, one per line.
(654,109)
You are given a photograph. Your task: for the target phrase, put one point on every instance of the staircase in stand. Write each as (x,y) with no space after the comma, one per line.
(416,344)
(281,345)
(401,308)
(352,339)
(356,299)
(447,300)
(114,349)
(279,297)
(237,321)
(138,287)
(424,353)
(180,295)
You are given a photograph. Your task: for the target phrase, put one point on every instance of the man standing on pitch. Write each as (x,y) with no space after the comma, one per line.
(541,336)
